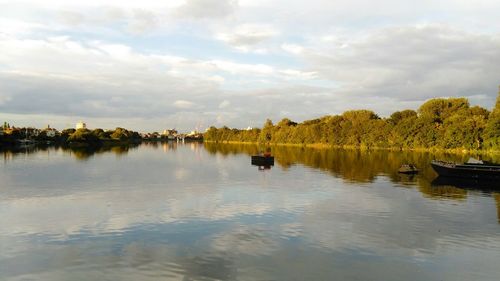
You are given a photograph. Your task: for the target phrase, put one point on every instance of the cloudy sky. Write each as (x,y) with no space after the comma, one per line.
(149,65)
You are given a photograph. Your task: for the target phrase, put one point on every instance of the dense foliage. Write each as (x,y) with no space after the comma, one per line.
(99,136)
(69,136)
(439,123)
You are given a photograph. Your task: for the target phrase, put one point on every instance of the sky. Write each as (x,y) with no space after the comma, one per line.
(190,64)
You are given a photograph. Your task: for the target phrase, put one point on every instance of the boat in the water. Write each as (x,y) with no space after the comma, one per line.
(472,169)
(262,160)
(408,169)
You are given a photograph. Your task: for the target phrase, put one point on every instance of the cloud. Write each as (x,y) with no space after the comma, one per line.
(142,21)
(207,8)
(71,18)
(132,60)
(246,37)
(411,63)
(224,104)
(52,77)
(109,19)
(292,48)
(14,27)
(183,104)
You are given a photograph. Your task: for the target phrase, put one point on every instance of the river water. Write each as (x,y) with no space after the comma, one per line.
(203,212)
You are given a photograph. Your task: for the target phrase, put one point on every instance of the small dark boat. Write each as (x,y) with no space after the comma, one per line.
(262,160)
(472,169)
(408,169)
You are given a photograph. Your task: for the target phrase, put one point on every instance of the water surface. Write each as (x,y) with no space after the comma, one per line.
(202,212)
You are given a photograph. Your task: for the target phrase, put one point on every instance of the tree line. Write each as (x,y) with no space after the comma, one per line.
(441,123)
(99,136)
(79,137)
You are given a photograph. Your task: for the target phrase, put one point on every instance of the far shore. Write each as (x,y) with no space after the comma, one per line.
(365,148)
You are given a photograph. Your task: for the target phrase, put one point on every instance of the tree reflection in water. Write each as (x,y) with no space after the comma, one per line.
(362,166)
(355,166)
(497,199)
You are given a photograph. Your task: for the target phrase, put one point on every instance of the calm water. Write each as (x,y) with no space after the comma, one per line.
(202,212)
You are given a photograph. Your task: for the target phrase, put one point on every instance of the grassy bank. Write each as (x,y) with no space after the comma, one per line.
(366,148)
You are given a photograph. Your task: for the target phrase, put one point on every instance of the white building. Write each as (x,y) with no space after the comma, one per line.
(51,133)
(80,125)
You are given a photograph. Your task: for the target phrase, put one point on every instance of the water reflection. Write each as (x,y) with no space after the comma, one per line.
(356,166)
(364,166)
(360,166)
(497,199)
(168,211)
(471,184)
(79,153)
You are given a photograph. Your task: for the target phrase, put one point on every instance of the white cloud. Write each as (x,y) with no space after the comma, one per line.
(207,8)
(72,18)
(12,27)
(247,38)
(248,34)
(142,21)
(239,68)
(414,62)
(224,104)
(297,74)
(183,104)
(292,48)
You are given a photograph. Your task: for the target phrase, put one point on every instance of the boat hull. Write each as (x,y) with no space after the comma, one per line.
(467,171)
(409,172)
(258,160)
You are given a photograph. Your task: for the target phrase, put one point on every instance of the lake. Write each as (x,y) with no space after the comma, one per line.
(199,211)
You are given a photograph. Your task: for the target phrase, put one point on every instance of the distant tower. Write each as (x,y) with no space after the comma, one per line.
(81,125)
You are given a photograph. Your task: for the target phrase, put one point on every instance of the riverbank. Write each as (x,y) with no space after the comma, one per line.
(366,148)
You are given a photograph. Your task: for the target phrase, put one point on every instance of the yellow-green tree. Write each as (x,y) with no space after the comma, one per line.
(492,132)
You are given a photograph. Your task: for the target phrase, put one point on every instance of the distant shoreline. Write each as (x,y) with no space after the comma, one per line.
(363,148)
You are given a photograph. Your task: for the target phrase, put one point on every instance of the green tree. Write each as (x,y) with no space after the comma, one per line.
(120,134)
(492,131)
(440,109)
(83,136)
(266,134)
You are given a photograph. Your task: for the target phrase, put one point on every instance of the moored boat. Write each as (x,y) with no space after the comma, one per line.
(408,169)
(470,170)
(262,160)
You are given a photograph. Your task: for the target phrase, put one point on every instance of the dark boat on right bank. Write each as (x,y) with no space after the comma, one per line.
(472,169)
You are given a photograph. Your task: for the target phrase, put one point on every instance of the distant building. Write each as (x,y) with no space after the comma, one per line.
(32,132)
(169,132)
(50,132)
(80,125)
